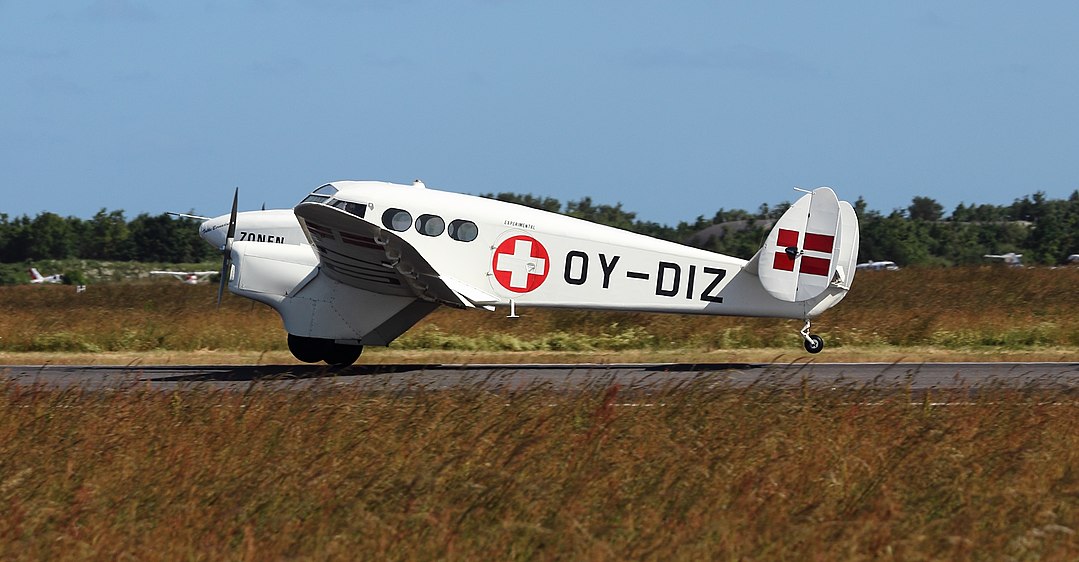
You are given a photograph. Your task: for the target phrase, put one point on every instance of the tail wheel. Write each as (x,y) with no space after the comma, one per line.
(342,355)
(308,350)
(814,343)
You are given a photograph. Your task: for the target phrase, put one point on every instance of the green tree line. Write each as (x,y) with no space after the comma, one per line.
(106,236)
(1045,231)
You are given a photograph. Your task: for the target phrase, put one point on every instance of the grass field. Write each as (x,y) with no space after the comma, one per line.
(703,471)
(964,312)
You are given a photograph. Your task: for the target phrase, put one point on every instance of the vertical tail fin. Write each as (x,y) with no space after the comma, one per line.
(813,245)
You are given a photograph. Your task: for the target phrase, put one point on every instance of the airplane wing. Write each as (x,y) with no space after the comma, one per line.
(361,254)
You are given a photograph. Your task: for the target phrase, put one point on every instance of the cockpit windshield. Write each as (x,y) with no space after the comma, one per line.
(321,194)
(327,190)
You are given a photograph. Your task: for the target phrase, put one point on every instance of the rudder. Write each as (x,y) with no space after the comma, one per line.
(813,245)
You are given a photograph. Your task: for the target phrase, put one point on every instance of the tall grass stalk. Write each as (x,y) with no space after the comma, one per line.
(700,472)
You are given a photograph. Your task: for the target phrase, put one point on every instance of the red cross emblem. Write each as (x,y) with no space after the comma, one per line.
(520,264)
(810,265)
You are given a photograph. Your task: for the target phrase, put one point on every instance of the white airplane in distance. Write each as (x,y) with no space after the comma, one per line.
(188,277)
(358,263)
(1011,258)
(37,277)
(878,266)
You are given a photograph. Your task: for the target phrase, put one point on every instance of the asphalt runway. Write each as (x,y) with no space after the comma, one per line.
(913,376)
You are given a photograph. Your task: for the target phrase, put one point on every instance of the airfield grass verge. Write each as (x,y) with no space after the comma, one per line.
(964,311)
(698,472)
(392,356)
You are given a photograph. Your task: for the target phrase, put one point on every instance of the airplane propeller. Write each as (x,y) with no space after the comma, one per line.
(226,250)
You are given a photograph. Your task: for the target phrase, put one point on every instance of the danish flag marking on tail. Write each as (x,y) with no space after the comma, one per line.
(810,265)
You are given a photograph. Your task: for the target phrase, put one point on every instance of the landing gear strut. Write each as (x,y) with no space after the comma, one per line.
(813,343)
(313,350)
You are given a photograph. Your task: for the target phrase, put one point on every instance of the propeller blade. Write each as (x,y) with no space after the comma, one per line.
(224,280)
(232,218)
(226,251)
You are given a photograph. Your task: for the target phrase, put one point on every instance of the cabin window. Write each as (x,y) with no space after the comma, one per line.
(315,199)
(430,225)
(397,219)
(327,190)
(465,231)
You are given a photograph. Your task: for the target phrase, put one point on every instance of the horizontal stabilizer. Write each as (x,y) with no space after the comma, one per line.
(801,254)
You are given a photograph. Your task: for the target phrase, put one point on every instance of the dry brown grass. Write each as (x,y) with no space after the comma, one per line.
(967,312)
(702,472)
(698,472)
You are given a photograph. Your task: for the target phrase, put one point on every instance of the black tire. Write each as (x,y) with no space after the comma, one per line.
(308,350)
(342,355)
(814,344)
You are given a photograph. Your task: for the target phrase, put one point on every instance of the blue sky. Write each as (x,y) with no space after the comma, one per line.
(674,109)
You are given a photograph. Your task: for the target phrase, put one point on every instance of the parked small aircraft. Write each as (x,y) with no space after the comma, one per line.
(878,266)
(37,277)
(189,277)
(1011,258)
(358,263)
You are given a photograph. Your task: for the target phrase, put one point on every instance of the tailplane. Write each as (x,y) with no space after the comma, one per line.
(812,247)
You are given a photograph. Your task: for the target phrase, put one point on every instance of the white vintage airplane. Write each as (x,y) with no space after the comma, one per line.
(877,266)
(1011,258)
(37,277)
(188,277)
(359,262)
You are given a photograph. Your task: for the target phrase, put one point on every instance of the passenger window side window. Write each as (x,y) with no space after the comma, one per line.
(464,231)
(430,225)
(397,219)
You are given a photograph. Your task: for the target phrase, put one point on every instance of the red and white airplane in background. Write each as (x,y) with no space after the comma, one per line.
(358,263)
(37,277)
(188,277)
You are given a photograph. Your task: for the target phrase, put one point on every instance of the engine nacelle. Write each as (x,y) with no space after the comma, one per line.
(287,277)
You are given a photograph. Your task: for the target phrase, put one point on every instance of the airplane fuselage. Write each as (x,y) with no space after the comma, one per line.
(538,258)
(543,259)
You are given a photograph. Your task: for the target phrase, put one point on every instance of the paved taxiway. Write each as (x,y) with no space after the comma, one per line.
(916,376)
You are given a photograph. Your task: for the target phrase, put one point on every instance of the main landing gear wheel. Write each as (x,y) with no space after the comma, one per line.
(308,350)
(313,350)
(812,342)
(342,355)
